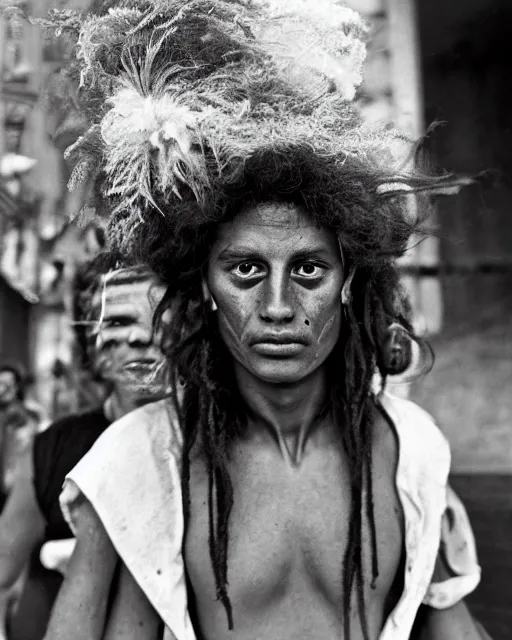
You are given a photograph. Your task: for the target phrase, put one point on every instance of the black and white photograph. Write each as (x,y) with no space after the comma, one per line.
(255,319)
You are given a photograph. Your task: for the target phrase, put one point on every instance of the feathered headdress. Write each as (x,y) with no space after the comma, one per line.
(179,93)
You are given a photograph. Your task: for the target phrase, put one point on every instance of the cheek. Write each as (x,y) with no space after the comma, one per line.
(326,325)
(331,330)
(234,310)
(234,319)
(106,355)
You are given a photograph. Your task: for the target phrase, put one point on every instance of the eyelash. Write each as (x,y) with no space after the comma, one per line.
(250,276)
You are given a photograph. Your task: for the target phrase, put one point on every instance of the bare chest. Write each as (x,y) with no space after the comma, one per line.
(288,533)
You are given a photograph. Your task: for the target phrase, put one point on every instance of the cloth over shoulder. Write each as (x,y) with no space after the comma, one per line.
(421,481)
(429,448)
(131,476)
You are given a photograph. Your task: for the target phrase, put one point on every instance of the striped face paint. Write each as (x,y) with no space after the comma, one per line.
(126,348)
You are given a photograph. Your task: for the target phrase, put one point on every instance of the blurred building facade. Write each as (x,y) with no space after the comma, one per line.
(39,247)
(466,69)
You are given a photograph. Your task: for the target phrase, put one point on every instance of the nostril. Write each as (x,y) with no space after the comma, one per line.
(306,322)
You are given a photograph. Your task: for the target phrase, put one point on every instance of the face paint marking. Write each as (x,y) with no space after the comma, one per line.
(126,348)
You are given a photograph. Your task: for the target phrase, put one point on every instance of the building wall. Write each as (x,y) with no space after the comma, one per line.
(454,66)
(467,68)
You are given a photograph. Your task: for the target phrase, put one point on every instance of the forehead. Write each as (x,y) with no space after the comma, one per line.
(134,294)
(265,225)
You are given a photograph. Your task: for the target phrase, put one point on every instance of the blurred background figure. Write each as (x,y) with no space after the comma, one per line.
(114,307)
(19,422)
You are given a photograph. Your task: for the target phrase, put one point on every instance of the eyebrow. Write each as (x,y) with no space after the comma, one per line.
(250,253)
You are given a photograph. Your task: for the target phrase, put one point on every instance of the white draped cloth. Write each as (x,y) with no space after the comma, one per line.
(132,478)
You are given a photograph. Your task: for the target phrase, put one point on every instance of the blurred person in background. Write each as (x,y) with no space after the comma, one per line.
(19,422)
(113,309)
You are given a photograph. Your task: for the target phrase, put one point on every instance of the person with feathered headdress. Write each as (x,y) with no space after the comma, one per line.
(280,496)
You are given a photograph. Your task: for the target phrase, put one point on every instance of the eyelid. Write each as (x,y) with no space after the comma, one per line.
(319,265)
(254,263)
(124,320)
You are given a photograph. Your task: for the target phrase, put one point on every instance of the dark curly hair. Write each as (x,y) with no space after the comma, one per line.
(374,231)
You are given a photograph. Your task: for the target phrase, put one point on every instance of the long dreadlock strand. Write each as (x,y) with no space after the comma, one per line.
(370,512)
(370,301)
(357,434)
(220,490)
(224,502)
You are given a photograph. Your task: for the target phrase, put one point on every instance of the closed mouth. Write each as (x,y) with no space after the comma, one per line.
(278,348)
(278,340)
(141,362)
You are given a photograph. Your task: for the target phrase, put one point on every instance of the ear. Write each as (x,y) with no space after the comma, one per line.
(346,293)
(207,296)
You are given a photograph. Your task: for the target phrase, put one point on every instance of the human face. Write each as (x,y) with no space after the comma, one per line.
(126,350)
(276,279)
(8,388)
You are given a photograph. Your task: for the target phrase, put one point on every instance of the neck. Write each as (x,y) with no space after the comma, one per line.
(119,403)
(288,413)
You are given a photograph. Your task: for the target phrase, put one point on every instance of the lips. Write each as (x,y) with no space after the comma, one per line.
(142,363)
(278,345)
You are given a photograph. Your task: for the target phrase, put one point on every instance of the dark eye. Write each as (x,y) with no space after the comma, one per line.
(309,270)
(247,270)
(117,322)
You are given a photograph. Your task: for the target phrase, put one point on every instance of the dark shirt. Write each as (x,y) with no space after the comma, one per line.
(56,451)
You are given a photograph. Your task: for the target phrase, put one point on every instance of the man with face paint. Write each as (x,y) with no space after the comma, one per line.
(113,322)
(281,497)
(128,356)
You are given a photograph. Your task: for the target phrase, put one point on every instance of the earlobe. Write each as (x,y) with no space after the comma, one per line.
(207,296)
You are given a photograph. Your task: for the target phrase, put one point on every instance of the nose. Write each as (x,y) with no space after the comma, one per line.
(140,336)
(277,304)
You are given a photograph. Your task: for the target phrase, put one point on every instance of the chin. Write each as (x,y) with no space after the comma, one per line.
(280,372)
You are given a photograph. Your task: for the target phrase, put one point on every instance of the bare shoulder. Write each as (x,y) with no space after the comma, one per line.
(415,428)
(422,450)
(91,536)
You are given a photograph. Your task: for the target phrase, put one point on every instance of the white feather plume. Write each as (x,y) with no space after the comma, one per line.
(153,131)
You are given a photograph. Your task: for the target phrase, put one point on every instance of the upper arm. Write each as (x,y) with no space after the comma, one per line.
(21,528)
(80,610)
(450,624)
(132,616)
